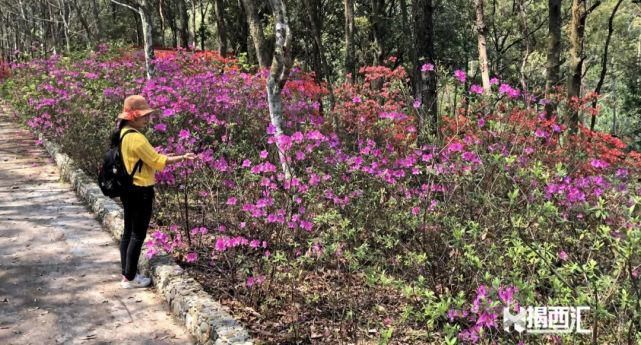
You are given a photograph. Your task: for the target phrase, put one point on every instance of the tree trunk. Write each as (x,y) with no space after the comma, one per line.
(64,15)
(203,29)
(604,60)
(257,33)
(193,22)
(481,31)
(83,21)
(52,30)
(350,59)
(145,18)
(161,14)
(242,44)
(321,67)
(378,29)
(25,44)
(278,74)
(424,53)
(220,25)
(147,29)
(554,53)
(577,37)
(311,10)
(170,13)
(96,15)
(183,24)
(525,48)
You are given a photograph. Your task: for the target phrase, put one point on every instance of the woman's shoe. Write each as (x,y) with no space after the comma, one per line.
(139,281)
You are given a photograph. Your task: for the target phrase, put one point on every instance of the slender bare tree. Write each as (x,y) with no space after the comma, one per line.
(481,31)
(604,59)
(257,32)
(278,74)
(350,58)
(580,13)
(142,8)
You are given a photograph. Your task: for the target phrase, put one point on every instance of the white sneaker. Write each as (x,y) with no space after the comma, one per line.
(139,281)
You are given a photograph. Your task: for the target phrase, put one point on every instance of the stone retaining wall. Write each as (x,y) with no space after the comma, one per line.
(203,317)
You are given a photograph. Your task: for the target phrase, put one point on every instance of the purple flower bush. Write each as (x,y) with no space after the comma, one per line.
(432,239)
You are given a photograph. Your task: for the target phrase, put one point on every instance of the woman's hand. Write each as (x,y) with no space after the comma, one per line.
(175,159)
(189,156)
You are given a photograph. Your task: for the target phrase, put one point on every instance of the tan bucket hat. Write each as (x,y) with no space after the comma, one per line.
(134,107)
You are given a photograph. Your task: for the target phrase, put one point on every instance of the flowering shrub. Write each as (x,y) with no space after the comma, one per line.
(371,231)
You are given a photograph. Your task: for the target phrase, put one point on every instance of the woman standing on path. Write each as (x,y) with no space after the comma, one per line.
(138,155)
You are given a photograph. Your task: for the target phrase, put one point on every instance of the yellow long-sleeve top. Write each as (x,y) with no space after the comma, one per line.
(135,146)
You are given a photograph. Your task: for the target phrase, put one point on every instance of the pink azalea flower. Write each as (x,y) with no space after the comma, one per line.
(486,320)
(160,127)
(563,256)
(477,89)
(460,75)
(599,164)
(191,257)
(539,133)
(427,67)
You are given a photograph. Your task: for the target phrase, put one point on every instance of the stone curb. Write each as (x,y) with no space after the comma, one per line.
(203,317)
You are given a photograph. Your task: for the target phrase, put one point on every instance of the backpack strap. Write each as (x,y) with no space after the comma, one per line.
(138,164)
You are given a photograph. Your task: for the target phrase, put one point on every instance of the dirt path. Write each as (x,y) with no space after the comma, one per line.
(59,271)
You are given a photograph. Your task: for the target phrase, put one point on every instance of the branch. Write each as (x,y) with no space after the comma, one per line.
(125,5)
(592,8)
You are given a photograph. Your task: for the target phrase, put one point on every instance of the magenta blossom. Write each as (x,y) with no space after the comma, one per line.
(427,67)
(160,127)
(563,256)
(476,89)
(191,257)
(460,75)
(599,164)
(184,134)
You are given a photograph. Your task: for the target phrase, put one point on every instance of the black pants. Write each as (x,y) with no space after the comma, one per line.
(137,204)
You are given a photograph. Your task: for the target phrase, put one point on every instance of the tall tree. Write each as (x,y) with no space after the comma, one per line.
(257,33)
(552,68)
(577,56)
(278,74)
(321,67)
(143,10)
(425,82)
(203,28)
(604,59)
(377,18)
(219,10)
(87,34)
(350,54)
(481,31)
(183,24)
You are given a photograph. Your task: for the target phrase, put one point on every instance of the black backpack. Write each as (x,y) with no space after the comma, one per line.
(113,178)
